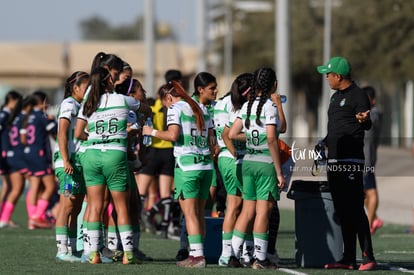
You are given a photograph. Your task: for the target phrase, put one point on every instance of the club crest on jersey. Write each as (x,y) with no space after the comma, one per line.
(342,103)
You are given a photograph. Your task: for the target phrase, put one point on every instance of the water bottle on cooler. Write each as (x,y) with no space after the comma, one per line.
(68,186)
(147,138)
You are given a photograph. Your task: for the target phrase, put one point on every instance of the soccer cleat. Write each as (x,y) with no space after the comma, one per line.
(223,261)
(106,252)
(265,264)
(339,265)
(3,224)
(193,262)
(67,257)
(105,260)
(273,258)
(367,266)
(163,233)
(376,224)
(174,232)
(30,225)
(182,254)
(231,261)
(246,263)
(41,223)
(129,258)
(141,256)
(12,224)
(117,255)
(84,258)
(94,258)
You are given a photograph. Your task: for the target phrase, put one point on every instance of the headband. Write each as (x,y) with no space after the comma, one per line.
(130,86)
(78,77)
(245,92)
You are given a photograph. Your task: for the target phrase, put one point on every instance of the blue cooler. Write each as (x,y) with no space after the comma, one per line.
(212,244)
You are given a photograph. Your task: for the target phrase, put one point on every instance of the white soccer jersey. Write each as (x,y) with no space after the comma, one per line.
(221,119)
(107,125)
(256,145)
(69,109)
(190,141)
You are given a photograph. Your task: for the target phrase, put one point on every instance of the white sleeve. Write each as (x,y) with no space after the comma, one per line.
(173,115)
(80,113)
(67,110)
(132,103)
(271,114)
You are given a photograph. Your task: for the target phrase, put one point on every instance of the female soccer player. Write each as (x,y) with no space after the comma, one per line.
(105,159)
(190,128)
(230,159)
(68,169)
(262,172)
(9,192)
(38,157)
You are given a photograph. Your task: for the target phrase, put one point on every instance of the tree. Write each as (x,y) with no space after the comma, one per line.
(97,28)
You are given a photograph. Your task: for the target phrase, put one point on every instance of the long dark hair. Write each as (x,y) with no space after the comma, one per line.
(99,82)
(75,79)
(264,79)
(13,95)
(175,89)
(202,80)
(127,86)
(240,89)
(111,61)
(39,96)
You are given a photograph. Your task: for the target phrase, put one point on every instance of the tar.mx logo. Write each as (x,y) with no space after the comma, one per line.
(304,153)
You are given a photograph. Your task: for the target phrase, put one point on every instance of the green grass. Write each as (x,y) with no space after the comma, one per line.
(33,252)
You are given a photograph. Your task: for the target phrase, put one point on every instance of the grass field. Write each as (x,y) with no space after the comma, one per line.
(33,252)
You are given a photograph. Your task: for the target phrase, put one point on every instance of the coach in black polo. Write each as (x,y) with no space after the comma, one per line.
(348,117)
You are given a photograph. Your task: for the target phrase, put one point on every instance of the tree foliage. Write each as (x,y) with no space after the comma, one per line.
(97,28)
(376,36)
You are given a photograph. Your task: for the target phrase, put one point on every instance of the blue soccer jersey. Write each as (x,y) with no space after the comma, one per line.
(15,158)
(38,151)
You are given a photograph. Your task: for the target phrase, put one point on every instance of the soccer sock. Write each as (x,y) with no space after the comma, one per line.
(196,245)
(183,236)
(62,239)
(81,227)
(237,241)
(94,233)
(166,204)
(41,208)
(125,231)
(72,240)
(260,245)
(102,237)
(248,248)
(86,244)
(112,238)
(8,209)
(31,208)
(274,222)
(136,236)
(227,250)
(154,209)
(176,213)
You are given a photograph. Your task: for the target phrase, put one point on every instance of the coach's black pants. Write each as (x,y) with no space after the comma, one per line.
(346,186)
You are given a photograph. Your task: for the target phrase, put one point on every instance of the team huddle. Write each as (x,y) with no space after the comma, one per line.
(103,168)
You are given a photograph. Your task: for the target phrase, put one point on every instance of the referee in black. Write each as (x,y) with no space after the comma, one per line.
(348,118)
